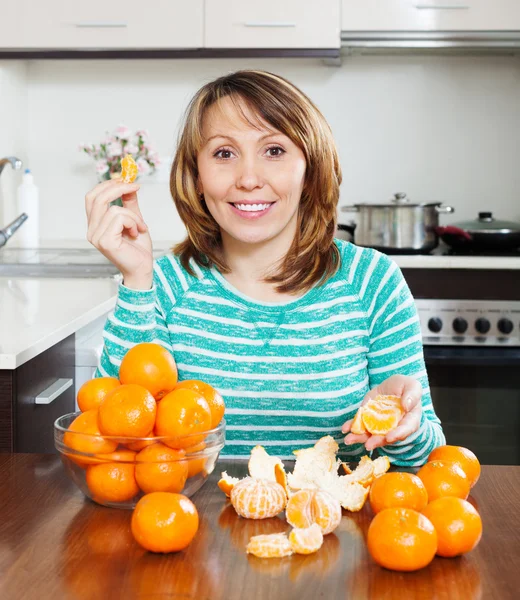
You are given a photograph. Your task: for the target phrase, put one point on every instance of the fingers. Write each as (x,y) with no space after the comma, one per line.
(375,441)
(355,438)
(98,199)
(345,428)
(411,394)
(108,234)
(409,424)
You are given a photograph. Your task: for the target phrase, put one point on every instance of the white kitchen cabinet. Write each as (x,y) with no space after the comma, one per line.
(272,24)
(125,24)
(430,15)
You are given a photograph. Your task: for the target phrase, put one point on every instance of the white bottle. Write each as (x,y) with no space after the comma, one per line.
(28,236)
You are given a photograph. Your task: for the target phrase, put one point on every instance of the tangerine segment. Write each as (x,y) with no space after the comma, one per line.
(379,420)
(210,394)
(161,469)
(129,169)
(112,482)
(464,457)
(306,541)
(258,498)
(401,539)
(92,393)
(128,411)
(181,414)
(457,523)
(357,425)
(307,507)
(273,545)
(150,365)
(88,438)
(444,479)
(164,522)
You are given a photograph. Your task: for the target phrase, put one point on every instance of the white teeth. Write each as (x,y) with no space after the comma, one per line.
(252,207)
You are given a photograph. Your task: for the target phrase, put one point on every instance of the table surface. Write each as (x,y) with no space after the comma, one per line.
(54,543)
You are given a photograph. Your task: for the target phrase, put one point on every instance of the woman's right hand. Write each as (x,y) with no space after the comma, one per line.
(120,233)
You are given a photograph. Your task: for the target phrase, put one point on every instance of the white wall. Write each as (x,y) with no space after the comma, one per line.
(13,131)
(439,128)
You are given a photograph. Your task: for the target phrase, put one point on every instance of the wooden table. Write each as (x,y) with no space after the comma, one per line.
(56,544)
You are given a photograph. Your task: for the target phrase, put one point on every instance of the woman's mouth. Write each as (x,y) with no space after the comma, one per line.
(252,211)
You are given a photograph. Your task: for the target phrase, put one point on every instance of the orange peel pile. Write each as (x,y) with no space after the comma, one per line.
(312,495)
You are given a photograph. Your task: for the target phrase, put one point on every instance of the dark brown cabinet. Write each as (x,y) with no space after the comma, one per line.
(25,425)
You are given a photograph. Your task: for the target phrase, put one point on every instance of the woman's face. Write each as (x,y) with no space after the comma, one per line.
(252,179)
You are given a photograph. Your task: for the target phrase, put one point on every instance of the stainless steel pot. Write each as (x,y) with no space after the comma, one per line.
(399,226)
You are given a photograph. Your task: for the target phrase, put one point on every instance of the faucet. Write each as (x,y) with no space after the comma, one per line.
(8,231)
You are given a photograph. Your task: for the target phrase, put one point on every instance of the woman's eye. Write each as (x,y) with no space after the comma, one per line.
(219,153)
(280,151)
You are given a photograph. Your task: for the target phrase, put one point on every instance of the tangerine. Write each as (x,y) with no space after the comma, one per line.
(444,479)
(210,394)
(309,506)
(92,393)
(183,413)
(258,498)
(403,490)
(164,522)
(464,457)
(458,525)
(150,365)
(128,411)
(88,438)
(161,469)
(195,465)
(401,539)
(112,482)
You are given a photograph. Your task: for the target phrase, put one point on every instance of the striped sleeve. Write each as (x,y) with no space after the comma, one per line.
(139,316)
(395,348)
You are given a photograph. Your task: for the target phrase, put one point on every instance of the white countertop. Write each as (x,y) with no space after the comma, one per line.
(37,313)
(439,261)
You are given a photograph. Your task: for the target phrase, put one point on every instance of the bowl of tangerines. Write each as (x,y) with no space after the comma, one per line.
(144,432)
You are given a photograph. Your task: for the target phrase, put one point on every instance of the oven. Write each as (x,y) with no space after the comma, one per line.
(470,322)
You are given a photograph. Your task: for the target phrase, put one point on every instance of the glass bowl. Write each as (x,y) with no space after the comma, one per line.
(111,478)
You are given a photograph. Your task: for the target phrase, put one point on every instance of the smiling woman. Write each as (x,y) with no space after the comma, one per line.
(296,329)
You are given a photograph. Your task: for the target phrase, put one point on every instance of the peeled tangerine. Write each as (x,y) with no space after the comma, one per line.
(258,498)
(276,545)
(308,507)
(128,169)
(378,416)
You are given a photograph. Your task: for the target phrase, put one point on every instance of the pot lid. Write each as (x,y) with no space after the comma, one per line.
(486,223)
(400,199)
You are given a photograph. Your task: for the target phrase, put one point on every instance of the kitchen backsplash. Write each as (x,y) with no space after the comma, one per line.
(438,128)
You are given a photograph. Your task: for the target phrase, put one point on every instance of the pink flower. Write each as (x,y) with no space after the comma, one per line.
(123,132)
(144,133)
(143,166)
(131,148)
(114,149)
(101,167)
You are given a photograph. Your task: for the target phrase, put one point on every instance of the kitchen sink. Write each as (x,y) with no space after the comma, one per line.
(57,262)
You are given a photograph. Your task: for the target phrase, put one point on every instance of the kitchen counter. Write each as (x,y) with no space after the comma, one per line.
(442,261)
(37,313)
(56,544)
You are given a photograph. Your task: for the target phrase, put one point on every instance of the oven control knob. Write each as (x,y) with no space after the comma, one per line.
(460,325)
(482,325)
(505,326)
(435,324)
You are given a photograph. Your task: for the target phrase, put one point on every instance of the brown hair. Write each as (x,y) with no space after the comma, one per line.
(313,257)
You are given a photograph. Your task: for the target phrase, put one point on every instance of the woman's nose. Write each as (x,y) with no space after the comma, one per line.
(249,175)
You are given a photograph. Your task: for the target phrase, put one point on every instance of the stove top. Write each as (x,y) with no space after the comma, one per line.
(467,252)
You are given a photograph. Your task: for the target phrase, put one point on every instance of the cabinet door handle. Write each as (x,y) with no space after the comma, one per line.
(53,391)
(268,24)
(442,7)
(98,24)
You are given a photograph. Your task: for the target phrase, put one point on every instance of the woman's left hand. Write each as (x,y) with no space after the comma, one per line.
(410,392)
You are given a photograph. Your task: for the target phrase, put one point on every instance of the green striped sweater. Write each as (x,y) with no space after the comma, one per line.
(289,372)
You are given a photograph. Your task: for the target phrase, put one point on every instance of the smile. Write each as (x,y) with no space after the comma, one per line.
(251,211)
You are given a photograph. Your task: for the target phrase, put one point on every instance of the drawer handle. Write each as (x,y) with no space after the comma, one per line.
(53,391)
(99,24)
(268,24)
(442,7)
